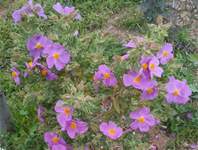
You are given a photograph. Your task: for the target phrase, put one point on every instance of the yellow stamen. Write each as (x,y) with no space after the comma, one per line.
(55,140)
(38,117)
(137,79)
(56,56)
(152,66)
(141,119)
(73,126)
(30,63)
(144,66)
(149,90)
(165,53)
(111,131)
(176,92)
(94,77)
(121,58)
(67,111)
(44,72)
(14,74)
(38,46)
(106,76)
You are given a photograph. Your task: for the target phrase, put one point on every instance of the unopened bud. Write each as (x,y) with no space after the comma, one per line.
(159,20)
(80,86)
(54,17)
(36,9)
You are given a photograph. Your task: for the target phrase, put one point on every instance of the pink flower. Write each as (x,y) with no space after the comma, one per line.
(61,147)
(193,146)
(17,16)
(66,10)
(65,113)
(78,16)
(53,139)
(123,57)
(134,79)
(149,91)
(37,45)
(178,91)
(15,75)
(188,115)
(144,66)
(46,72)
(39,113)
(165,53)
(31,65)
(105,74)
(75,33)
(57,55)
(111,130)
(131,44)
(143,120)
(74,126)
(153,67)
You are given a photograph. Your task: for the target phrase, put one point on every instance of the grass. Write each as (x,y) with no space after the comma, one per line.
(95,13)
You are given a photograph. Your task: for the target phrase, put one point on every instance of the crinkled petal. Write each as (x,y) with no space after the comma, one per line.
(149,119)
(134,125)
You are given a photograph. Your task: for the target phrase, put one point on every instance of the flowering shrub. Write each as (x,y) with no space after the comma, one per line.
(73,76)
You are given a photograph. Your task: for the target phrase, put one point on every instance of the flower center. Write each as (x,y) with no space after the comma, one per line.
(14,74)
(165,53)
(67,111)
(144,66)
(30,63)
(106,76)
(152,66)
(38,46)
(38,117)
(111,131)
(56,56)
(94,77)
(176,92)
(149,90)
(44,72)
(55,140)
(141,119)
(121,58)
(137,79)
(73,126)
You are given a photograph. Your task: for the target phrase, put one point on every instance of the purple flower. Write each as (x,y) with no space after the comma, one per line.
(188,115)
(17,16)
(123,57)
(15,75)
(78,16)
(74,126)
(61,147)
(131,44)
(165,53)
(105,74)
(37,45)
(57,55)
(173,136)
(66,10)
(193,146)
(178,91)
(39,113)
(144,66)
(162,131)
(46,72)
(153,67)
(75,33)
(65,113)
(149,91)
(53,139)
(134,79)
(32,64)
(111,130)
(143,120)
(40,12)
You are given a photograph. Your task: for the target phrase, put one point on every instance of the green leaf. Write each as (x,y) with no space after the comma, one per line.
(193,57)
(22,112)
(116,103)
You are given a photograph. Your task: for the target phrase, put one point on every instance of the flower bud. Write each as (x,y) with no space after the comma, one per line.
(54,17)
(36,9)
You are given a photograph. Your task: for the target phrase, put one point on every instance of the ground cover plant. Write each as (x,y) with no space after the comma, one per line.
(84,92)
